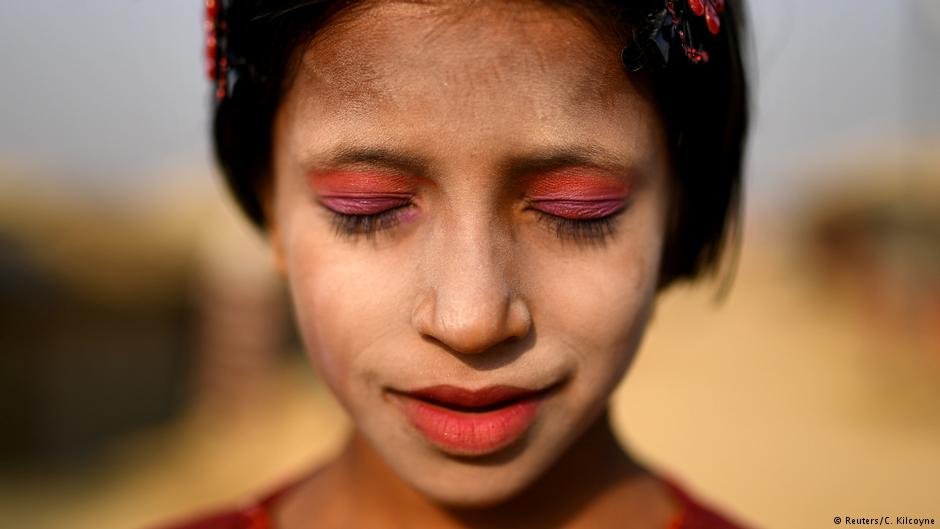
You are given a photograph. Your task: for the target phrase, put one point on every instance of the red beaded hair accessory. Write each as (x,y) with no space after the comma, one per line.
(217,63)
(675,25)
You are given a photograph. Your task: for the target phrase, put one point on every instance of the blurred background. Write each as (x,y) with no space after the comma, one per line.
(147,362)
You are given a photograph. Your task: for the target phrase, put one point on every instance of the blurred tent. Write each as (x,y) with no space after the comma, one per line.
(115,315)
(873,233)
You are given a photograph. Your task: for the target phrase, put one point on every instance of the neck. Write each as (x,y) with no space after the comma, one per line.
(362,491)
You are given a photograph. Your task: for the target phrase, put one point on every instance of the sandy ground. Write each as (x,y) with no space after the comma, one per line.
(782,404)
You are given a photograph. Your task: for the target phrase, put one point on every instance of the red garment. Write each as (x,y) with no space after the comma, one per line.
(691,514)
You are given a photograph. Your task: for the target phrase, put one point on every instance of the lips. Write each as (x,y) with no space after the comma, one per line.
(468,422)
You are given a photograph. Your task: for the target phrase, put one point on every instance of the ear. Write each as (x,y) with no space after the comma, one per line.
(272,229)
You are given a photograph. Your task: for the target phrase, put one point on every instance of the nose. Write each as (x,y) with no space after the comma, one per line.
(469,303)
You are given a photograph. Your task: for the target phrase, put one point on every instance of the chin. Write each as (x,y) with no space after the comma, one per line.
(472,488)
(475,482)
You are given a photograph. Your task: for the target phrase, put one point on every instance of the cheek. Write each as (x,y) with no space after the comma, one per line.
(597,304)
(342,300)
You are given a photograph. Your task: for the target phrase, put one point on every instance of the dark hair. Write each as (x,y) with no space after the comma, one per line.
(704,106)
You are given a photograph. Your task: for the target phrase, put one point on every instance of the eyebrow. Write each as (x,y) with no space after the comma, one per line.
(378,157)
(555,158)
(513,168)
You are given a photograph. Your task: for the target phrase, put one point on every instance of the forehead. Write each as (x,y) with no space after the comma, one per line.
(374,48)
(518,67)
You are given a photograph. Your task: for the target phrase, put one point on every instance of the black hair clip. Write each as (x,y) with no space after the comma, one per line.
(673,27)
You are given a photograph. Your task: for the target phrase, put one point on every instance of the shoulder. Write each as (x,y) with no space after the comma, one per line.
(253,515)
(694,514)
(252,518)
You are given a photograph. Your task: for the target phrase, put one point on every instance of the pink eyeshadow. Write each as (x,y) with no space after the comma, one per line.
(580,209)
(367,192)
(352,183)
(578,193)
(364,204)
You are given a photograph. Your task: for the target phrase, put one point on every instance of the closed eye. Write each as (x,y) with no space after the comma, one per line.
(588,222)
(367,215)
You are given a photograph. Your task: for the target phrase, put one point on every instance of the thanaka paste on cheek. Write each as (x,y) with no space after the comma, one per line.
(578,194)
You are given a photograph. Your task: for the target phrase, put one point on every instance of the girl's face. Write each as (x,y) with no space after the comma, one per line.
(469,205)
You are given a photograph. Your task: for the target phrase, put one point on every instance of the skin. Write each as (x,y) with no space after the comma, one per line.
(473,113)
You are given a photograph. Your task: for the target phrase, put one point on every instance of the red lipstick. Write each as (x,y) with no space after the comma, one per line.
(471,422)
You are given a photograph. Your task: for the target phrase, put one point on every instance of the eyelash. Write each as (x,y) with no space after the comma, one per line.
(578,230)
(347,225)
